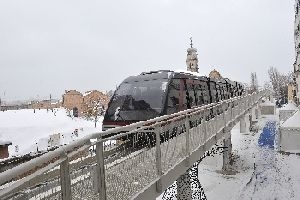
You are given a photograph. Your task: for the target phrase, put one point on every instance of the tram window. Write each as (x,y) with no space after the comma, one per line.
(218,93)
(213,92)
(198,94)
(191,95)
(205,93)
(173,96)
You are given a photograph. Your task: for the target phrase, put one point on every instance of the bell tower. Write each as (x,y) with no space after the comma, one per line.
(192,59)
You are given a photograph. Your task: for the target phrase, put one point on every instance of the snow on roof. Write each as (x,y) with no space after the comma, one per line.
(189,72)
(87,93)
(289,106)
(3,143)
(293,121)
(267,103)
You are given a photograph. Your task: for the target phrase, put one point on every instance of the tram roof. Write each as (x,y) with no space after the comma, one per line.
(167,74)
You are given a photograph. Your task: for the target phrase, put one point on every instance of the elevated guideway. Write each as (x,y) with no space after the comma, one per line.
(139,161)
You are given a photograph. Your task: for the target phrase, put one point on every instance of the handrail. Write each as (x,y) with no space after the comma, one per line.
(9,174)
(56,155)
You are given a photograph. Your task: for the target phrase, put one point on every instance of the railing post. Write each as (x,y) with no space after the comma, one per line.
(158,160)
(65,179)
(187,140)
(100,170)
(224,114)
(204,129)
(231,108)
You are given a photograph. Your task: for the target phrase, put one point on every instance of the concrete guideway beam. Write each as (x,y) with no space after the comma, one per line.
(227,151)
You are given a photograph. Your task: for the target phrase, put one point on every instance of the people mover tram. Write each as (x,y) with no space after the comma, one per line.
(157,93)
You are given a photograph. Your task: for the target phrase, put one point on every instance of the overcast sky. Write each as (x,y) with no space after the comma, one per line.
(52,46)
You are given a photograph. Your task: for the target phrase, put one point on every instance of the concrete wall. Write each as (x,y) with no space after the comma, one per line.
(289,140)
(285,114)
(267,110)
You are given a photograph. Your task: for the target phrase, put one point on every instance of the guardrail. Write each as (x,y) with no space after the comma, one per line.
(121,166)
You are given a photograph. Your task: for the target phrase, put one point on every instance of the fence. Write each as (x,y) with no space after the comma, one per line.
(124,164)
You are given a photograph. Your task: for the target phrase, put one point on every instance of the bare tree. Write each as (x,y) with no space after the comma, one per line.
(94,110)
(268,86)
(254,83)
(280,82)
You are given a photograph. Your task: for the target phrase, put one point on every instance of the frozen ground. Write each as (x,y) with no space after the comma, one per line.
(30,130)
(261,172)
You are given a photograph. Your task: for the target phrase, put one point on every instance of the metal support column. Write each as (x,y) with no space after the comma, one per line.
(258,111)
(254,114)
(227,151)
(271,98)
(158,159)
(243,124)
(187,141)
(100,171)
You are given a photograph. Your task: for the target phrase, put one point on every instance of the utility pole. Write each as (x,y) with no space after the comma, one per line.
(51,103)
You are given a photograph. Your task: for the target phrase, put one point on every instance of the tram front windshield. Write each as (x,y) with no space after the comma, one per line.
(136,101)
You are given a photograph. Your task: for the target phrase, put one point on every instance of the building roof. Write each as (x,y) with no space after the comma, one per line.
(5,143)
(72,92)
(293,121)
(267,103)
(289,106)
(215,74)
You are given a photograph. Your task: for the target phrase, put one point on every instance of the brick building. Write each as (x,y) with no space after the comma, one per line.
(4,149)
(95,95)
(73,101)
(44,104)
(215,74)
(79,103)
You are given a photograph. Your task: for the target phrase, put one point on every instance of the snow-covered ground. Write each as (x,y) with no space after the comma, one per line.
(261,172)
(31,131)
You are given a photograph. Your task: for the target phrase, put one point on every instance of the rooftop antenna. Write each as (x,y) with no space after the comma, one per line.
(191,42)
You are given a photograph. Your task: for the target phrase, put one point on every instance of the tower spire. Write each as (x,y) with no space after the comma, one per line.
(191,42)
(192,59)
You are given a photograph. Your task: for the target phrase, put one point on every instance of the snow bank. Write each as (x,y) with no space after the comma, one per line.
(289,106)
(189,72)
(267,103)
(30,131)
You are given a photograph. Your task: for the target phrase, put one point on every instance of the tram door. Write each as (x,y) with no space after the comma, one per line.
(174,101)
(191,94)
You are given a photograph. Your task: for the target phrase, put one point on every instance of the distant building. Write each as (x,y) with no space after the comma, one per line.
(95,96)
(79,103)
(5,107)
(291,91)
(215,74)
(73,101)
(297,49)
(4,149)
(289,129)
(44,104)
(192,59)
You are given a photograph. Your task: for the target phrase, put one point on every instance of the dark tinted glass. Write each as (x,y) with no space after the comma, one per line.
(191,95)
(213,91)
(173,96)
(139,100)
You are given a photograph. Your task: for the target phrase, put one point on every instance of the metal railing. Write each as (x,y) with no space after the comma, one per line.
(124,164)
